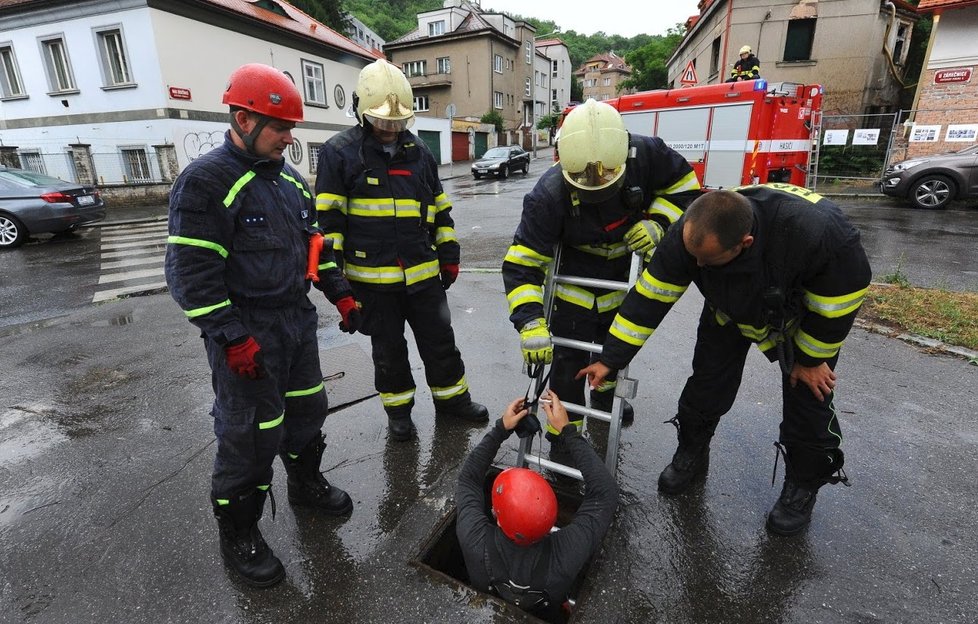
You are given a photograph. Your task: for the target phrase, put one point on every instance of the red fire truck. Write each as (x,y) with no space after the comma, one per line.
(733,133)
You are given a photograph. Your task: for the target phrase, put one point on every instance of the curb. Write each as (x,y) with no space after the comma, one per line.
(928,343)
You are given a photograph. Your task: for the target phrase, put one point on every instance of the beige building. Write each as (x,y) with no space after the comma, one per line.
(856,49)
(601,76)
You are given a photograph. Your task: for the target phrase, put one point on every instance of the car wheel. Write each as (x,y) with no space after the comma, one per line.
(477,176)
(12,232)
(526,168)
(933,192)
(503,172)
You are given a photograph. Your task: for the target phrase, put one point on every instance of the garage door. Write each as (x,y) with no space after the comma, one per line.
(460,146)
(433,140)
(481,143)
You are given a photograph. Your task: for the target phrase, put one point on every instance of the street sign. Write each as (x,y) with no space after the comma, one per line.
(689,74)
(450,111)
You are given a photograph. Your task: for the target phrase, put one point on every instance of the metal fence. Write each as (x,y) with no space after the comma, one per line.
(127,166)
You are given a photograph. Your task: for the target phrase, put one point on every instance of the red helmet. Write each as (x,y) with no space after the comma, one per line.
(264,90)
(524,505)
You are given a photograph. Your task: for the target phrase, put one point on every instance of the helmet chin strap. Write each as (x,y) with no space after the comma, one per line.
(248,138)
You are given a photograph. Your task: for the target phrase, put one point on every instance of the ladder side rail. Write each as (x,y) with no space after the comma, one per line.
(624,387)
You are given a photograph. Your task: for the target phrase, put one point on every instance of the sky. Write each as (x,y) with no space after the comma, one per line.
(615,17)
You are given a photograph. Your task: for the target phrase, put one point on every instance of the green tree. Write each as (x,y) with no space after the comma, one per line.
(648,63)
(493,117)
(329,12)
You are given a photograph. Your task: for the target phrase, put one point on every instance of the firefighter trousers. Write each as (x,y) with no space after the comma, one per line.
(809,428)
(578,323)
(426,312)
(255,419)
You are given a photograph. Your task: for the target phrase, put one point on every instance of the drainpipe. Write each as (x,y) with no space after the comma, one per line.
(726,37)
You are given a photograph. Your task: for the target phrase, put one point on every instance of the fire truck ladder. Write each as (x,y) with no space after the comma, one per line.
(625,388)
(811,178)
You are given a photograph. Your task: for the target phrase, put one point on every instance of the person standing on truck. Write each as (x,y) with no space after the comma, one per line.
(781,267)
(612,194)
(238,264)
(747,66)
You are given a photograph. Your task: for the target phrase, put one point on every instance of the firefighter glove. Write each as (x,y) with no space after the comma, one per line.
(643,236)
(449,273)
(244,358)
(350,311)
(535,342)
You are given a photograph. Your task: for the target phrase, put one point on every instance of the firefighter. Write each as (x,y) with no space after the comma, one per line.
(514,554)
(779,266)
(381,202)
(236,263)
(746,68)
(612,194)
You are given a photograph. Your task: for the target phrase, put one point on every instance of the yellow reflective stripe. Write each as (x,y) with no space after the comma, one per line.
(441,393)
(197,242)
(207,309)
(652,288)
(722,319)
(223,501)
(442,202)
(444,235)
(815,347)
(421,272)
(298,184)
(236,188)
(374,275)
(606,386)
(264,488)
(270,424)
(756,334)
(797,191)
(688,182)
(395,399)
(523,255)
(407,208)
(337,239)
(430,214)
(578,423)
(327,265)
(306,392)
(834,307)
(627,331)
(767,345)
(606,250)
(575,294)
(330,201)
(363,207)
(664,207)
(527,293)
(611,301)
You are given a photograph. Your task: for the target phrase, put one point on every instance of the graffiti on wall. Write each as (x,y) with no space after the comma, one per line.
(196,144)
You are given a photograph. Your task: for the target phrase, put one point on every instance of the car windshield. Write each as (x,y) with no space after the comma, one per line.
(24,178)
(496,152)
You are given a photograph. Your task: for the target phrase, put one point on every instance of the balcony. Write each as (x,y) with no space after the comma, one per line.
(429,81)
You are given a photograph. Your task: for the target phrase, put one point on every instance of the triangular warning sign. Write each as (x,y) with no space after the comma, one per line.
(689,74)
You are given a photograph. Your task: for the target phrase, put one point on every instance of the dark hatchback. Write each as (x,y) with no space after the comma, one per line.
(501,161)
(34,203)
(934,181)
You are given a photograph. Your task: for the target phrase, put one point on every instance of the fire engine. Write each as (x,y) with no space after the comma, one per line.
(733,133)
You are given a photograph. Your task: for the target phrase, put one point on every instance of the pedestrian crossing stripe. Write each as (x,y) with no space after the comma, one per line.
(131,260)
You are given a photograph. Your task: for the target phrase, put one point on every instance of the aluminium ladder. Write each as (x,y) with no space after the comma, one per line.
(625,388)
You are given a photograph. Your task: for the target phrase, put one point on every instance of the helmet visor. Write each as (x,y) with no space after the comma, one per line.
(390,125)
(594,176)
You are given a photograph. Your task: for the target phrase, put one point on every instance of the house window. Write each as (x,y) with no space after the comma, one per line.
(10,85)
(607,82)
(553,69)
(314,157)
(58,67)
(529,52)
(715,57)
(421,103)
(444,65)
(112,54)
(798,43)
(315,84)
(497,99)
(33,161)
(497,64)
(527,89)
(901,45)
(415,68)
(436,28)
(136,164)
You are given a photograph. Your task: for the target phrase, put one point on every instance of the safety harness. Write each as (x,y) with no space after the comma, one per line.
(532,598)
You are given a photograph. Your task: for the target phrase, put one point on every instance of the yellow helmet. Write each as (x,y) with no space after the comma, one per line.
(745,50)
(593,149)
(383,97)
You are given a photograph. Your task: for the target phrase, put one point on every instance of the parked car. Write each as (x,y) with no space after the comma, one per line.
(34,203)
(933,181)
(502,161)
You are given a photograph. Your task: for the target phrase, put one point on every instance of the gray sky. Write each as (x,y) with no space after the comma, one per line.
(615,17)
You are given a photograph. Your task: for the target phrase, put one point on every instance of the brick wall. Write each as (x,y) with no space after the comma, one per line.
(943,104)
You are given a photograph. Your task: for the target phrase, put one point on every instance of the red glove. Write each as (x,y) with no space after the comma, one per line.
(449,273)
(350,311)
(243,358)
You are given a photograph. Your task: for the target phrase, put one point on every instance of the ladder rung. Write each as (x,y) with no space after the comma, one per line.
(590,281)
(567,471)
(576,344)
(574,408)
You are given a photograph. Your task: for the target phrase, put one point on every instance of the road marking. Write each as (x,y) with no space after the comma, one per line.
(131,260)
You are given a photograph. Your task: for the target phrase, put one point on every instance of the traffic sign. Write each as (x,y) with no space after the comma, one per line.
(450,111)
(689,75)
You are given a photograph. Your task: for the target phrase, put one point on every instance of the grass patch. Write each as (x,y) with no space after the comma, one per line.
(951,317)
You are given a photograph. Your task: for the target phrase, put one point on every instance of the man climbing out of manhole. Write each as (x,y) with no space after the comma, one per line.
(515,553)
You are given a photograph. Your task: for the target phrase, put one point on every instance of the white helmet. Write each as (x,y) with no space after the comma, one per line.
(383,97)
(593,149)
(745,50)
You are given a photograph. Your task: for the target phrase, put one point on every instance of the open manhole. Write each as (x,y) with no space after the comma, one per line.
(441,555)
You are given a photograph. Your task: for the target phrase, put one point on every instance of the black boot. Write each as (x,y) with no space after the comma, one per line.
(466,410)
(793,511)
(691,459)
(308,486)
(399,426)
(603,401)
(242,545)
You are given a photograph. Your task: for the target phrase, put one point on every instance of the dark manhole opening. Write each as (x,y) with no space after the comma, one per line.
(441,554)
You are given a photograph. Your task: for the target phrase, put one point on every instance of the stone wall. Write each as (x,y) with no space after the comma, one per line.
(136,194)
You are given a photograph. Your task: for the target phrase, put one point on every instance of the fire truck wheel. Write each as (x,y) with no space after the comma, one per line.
(932,192)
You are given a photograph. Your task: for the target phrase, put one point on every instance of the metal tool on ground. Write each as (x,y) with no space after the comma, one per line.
(625,388)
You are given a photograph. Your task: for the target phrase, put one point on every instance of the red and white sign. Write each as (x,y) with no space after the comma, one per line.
(689,75)
(179,93)
(959,74)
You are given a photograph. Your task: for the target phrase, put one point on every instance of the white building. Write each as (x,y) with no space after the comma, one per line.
(560,71)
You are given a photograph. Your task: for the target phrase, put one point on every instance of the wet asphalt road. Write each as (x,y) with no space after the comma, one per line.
(106,447)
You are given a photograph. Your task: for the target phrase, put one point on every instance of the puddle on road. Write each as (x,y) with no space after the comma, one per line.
(124,319)
(26,430)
